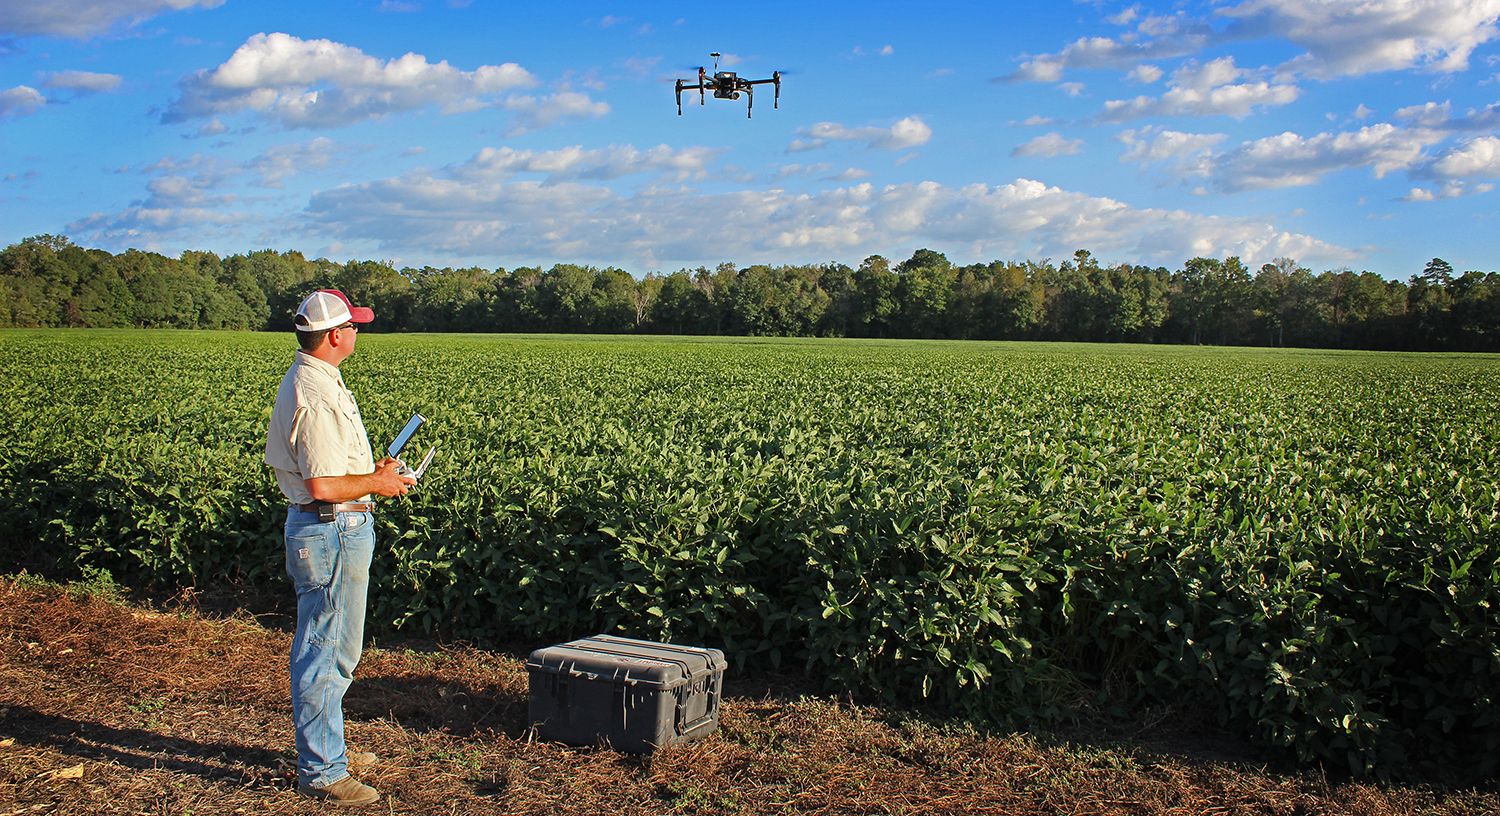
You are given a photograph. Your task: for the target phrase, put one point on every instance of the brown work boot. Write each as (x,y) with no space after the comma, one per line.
(361,759)
(347,792)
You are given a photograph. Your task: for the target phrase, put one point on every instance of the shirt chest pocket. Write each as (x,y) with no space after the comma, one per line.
(352,425)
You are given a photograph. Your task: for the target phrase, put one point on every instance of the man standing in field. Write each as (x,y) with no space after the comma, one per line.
(318,448)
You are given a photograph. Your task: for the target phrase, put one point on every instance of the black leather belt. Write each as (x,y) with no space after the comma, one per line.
(344,507)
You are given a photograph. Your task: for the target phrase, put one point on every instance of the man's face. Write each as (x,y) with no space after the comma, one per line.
(342,339)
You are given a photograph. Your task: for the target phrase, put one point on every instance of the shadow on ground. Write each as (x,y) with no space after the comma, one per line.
(143,750)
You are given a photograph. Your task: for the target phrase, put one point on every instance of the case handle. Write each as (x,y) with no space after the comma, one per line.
(708,715)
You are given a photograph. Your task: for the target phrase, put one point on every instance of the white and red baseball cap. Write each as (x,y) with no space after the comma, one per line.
(327,308)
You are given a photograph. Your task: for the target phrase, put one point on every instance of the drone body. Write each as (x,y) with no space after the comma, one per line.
(727,85)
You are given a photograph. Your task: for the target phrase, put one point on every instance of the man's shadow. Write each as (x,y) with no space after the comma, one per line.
(418,703)
(146,750)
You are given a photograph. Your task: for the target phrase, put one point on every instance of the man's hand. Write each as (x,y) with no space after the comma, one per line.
(389,483)
(385,481)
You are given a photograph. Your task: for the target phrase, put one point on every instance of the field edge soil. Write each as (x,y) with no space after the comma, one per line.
(110,706)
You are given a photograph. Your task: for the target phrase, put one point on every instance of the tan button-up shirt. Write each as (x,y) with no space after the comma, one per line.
(316,429)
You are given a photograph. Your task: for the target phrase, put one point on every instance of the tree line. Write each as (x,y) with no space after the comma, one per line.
(48,281)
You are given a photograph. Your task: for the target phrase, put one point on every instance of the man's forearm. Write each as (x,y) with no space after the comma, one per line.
(335,489)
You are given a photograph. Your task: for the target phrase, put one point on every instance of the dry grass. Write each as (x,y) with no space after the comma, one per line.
(111,708)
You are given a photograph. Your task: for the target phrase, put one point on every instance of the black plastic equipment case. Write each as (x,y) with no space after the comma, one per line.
(633,695)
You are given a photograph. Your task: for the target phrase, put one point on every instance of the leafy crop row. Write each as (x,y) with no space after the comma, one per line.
(1306,543)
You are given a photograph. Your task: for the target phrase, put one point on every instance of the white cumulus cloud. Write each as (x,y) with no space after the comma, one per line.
(1211,89)
(1439,116)
(212,127)
(81,19)
(1049,144)
(1431,114)
(1188,154)
(573,163)
(183,201)
(535,113)
(791,170)
(471,211)
(83,81)
(1104,52)
(20,101)
(1289,159)
(1347,37)
(278,163)
(1451,189)
(321,83)
(908,132)
(1476,157)
(1486,118)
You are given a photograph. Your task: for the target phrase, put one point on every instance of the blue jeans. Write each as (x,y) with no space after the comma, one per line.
(329,563)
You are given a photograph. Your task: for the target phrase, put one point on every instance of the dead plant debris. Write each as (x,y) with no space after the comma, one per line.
(110,708)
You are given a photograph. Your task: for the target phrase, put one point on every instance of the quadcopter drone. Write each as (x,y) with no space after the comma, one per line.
(727,85)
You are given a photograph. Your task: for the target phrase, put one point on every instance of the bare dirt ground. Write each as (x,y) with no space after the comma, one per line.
(108,707)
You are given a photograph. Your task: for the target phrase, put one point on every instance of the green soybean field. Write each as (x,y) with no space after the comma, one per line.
(1305,543)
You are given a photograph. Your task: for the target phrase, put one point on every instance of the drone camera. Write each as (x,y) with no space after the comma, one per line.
(726,86)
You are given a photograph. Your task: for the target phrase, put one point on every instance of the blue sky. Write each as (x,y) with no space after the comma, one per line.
(1339,134)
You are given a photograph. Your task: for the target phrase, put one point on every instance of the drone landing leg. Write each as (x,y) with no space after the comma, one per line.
(749,101)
